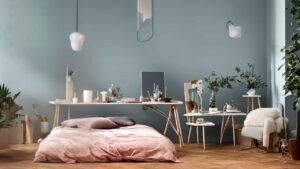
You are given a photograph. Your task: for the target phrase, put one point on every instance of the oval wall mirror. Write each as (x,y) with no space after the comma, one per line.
(144,20)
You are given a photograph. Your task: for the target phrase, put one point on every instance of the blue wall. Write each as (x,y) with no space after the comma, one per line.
(190,41)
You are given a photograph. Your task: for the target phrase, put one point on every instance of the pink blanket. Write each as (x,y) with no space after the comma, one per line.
(133,143)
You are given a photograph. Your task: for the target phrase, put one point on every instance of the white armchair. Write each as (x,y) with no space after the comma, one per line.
(261,122)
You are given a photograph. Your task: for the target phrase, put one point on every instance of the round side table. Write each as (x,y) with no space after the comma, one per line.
(250,100)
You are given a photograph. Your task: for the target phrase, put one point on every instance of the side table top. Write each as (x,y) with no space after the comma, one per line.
(251,96)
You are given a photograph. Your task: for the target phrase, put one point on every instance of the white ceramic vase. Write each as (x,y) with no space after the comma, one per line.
(87,96)
(251,92)
(69,88)
(213,109)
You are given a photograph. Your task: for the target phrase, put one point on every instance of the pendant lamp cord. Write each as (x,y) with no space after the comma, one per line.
(77,16)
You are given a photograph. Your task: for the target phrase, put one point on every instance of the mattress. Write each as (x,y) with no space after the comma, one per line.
(131,143)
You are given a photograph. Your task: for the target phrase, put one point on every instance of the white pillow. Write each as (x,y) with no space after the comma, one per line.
(256,118)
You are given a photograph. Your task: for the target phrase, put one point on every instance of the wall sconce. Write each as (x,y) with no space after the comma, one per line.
(234,32)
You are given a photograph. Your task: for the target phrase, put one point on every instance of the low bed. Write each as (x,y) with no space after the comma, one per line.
(130,143)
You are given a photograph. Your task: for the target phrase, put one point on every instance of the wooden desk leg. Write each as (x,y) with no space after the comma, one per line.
(252,103)
(224,129)
(178,125)
(55,116)
(258,101)
(233,129)
(248,105)
(222,126)
(69,112)
(197,132)
(178,118)
(168,120)
(203,137)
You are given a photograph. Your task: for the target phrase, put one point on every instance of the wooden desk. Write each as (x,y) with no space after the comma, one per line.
(173,110)
(223,126)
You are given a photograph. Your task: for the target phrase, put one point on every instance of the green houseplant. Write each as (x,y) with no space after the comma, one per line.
(249,79)
(214,83)
(292,74)
(8,107)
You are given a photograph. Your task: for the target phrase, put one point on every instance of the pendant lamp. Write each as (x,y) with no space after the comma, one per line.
(76,38)
(234,31)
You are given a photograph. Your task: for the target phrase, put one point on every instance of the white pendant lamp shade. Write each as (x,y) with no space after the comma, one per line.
(77,40)
(234,32)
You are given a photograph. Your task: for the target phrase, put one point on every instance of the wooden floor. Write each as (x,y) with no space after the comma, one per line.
(192,157)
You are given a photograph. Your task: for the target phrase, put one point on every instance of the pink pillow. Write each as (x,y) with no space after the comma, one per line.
(90,123)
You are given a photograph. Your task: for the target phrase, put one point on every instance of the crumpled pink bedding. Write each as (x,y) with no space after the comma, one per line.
(132,143)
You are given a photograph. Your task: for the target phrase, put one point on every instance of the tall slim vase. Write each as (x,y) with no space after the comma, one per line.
(69,87)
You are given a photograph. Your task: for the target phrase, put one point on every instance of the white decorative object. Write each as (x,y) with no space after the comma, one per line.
(251,92)
(234,32)
(213,109)
(69,85)
(76,38)
(75,99)
(87,96)
(199,86)
(200,120)
(103,96)
(45,127)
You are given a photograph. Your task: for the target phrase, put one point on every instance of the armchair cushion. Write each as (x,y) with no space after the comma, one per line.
(256,118)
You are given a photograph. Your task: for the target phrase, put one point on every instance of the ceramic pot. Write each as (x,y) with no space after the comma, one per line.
(213,109)
(15,134)
(251,92)
(4,137)
(87,96)
(294,148)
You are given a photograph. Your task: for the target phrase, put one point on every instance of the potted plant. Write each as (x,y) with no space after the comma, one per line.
(249,79)
(230,105)
(8,109)
(292,75)
(214,84)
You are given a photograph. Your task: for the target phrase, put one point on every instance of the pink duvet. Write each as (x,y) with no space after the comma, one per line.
(133,143)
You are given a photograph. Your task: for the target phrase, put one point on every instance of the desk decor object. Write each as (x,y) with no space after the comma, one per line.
(69,84)
(87,96)
(249,79)
(199,87)
(114,93)
(214,83)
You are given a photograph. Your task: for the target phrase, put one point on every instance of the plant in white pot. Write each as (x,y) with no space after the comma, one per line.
(249,79)
(214,83)
(292,75)
(8,109)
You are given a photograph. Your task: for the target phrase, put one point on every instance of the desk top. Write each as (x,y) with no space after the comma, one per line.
(65,103)
(251,96)
(215,114)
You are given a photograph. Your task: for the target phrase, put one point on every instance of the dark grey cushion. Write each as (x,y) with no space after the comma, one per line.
(122,121)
